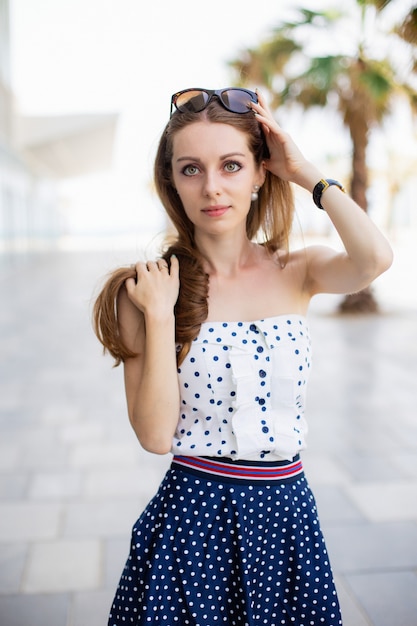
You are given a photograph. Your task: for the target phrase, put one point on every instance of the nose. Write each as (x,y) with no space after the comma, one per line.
(212,184)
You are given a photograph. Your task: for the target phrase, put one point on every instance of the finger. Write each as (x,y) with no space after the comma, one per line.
(261,109)
(130,284)
(152,266)
(263,102)
(266,120)
(269,124)
(261,105)
(140,268)
(175,266)
(162,264)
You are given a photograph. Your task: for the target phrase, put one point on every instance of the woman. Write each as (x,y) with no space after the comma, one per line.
(216,353)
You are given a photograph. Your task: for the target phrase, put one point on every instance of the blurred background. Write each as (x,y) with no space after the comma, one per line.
(85,89)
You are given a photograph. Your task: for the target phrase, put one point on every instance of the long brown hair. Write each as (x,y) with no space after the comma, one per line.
(269,222)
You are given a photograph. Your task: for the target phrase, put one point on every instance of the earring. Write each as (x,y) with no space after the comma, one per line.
(254,194)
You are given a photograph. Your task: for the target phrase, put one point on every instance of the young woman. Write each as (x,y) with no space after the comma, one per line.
(216,352)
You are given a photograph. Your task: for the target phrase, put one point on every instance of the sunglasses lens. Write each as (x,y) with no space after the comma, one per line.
(238,100)
(234,99)
(194,101)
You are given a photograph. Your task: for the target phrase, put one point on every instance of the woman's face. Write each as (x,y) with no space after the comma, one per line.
(214,173)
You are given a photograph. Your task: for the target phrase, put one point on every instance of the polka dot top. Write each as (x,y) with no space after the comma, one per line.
(243,387)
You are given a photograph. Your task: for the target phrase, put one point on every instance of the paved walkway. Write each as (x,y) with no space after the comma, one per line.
(73,478)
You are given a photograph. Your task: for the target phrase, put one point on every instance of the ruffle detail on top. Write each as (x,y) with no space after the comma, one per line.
(243,388)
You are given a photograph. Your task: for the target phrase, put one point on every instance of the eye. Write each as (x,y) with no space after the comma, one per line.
(190,170)
(232,166)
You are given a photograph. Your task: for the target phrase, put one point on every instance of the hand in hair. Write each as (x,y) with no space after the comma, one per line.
(105,314)
(286,159)
(155,290)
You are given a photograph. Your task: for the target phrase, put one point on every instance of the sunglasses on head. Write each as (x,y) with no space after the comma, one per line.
(233,99)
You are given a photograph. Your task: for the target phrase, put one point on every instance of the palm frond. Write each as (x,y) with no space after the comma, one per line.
(378,4)
(259,66)
(378,78)
(408,29)
(307,17)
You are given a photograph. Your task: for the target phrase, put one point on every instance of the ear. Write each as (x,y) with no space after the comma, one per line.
(261,174)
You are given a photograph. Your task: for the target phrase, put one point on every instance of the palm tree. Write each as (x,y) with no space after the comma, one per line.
(377,65)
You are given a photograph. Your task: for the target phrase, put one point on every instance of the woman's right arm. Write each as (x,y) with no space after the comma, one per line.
(147,327)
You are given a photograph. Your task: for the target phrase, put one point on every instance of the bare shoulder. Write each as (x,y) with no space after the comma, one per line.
(302,261)
(330,271)
(302,258)
(295,261)
(308,253)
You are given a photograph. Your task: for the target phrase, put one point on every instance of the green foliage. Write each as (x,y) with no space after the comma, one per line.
(306,17)
(360,85)
(378,79)
(379,4)
(316,78)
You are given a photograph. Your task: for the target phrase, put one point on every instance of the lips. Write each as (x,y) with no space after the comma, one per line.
(216,210)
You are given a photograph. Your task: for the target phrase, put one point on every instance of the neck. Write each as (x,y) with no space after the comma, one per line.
(227,256)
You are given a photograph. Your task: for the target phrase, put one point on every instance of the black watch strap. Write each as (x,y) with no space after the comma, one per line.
(321,187)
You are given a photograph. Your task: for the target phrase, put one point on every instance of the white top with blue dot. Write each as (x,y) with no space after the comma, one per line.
(243,387)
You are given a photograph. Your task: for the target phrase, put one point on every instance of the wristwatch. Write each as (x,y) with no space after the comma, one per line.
(321,187)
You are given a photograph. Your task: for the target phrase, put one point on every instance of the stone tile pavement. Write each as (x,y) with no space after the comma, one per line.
(73,479)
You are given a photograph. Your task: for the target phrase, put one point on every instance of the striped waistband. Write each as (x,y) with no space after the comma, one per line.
(225,469)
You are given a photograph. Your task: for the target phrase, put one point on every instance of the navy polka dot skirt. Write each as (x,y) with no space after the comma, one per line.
(228,542)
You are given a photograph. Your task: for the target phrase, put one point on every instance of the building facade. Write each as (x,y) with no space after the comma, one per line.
(36,154)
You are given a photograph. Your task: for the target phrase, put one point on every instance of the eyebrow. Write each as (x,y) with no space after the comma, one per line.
(222,157)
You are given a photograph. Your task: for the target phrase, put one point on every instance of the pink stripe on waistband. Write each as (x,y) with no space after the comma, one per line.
(281,471)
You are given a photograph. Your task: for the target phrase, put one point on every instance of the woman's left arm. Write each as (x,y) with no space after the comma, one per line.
(367,252)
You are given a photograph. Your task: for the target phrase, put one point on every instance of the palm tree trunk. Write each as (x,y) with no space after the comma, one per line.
(359,181)
(363,301)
